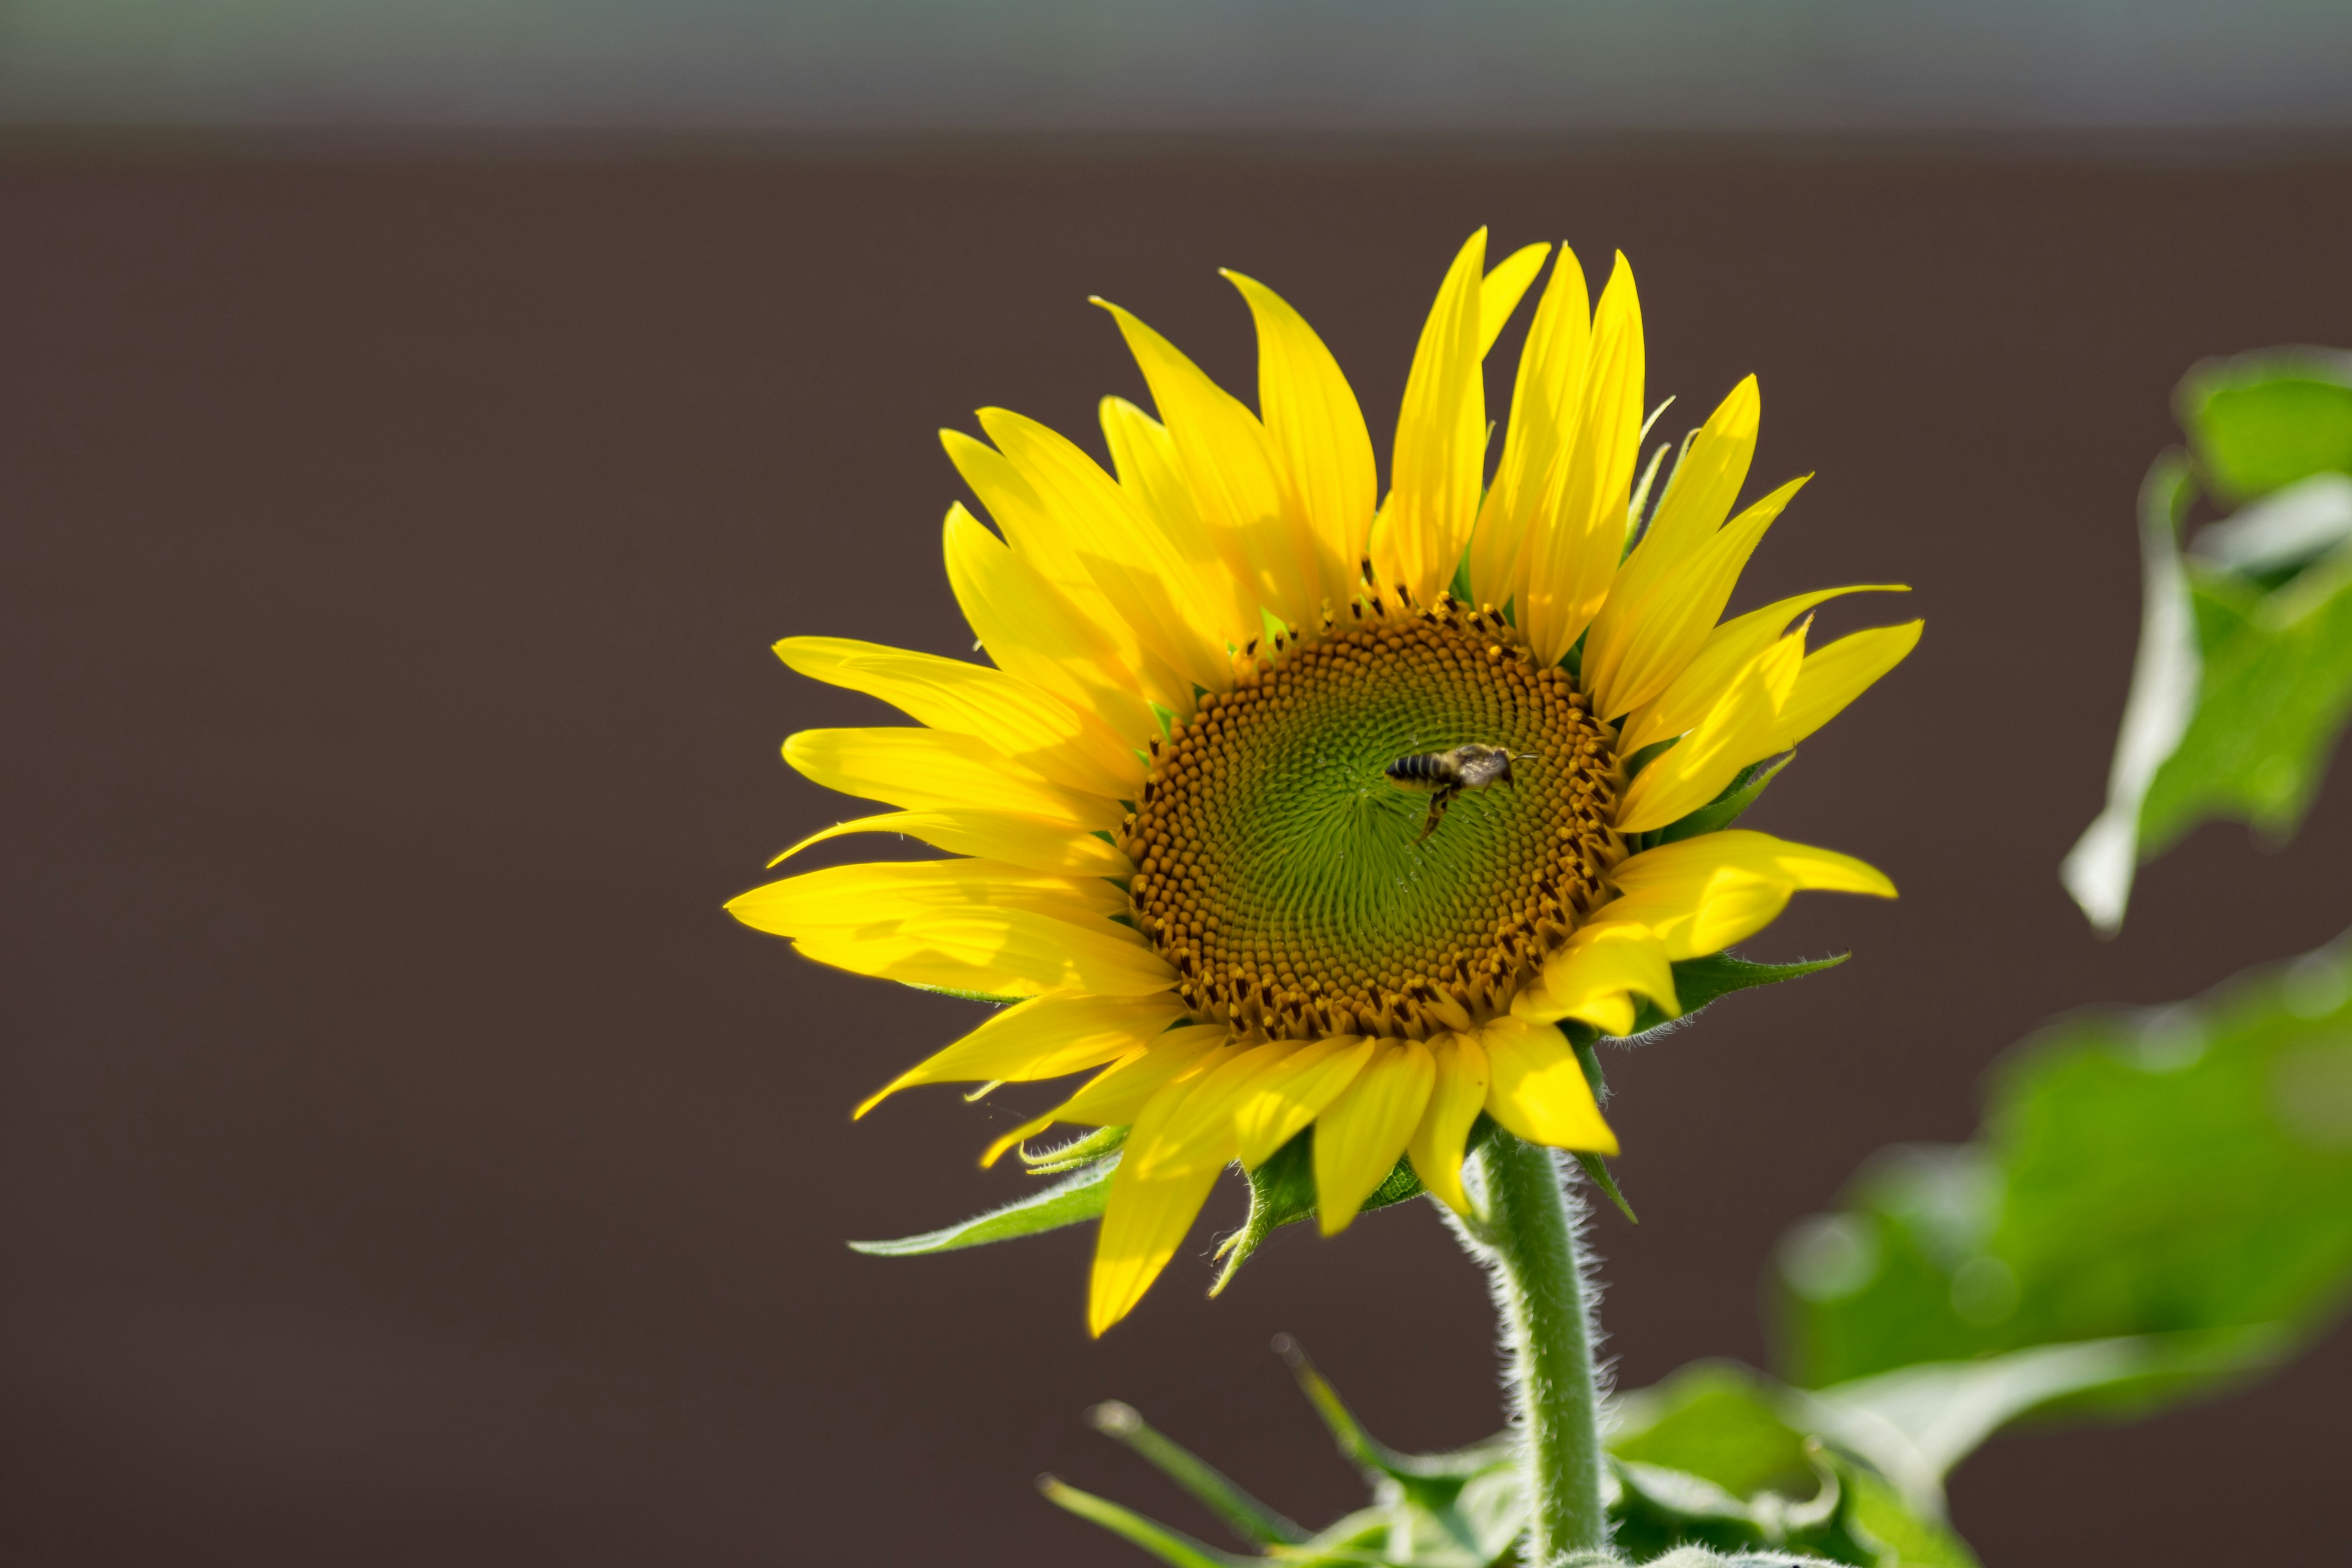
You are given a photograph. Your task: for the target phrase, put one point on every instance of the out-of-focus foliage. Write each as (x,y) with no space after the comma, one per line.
(2244,673)
(2160,1201)
(1717,1457)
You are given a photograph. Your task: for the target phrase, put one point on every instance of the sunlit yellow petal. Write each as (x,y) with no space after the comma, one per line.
(1704,893)
(1033,726)
(1727,651)
(1359,1136)
(1144,456)
(925,770)
(1118,1094)
(1000,953)
(1504,287)
(1281,1103)
(1597,977)
(1045,1036)
(1544,414)
(1737,731)
(1315,428)
(1456,1096)
(1143,1221)
(1578,533)
(1137,568)
(1230,469)
(866,895)
(1029,841)
(1028,629)
(1836,675)
(1441,440)
(1537,1090)
(1200,1127)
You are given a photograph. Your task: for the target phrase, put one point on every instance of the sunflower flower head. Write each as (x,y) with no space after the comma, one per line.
(1286,809)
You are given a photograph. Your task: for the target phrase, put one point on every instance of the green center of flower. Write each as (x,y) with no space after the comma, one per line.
(1299,890)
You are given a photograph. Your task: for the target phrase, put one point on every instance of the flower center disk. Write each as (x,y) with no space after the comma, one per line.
(1285,877)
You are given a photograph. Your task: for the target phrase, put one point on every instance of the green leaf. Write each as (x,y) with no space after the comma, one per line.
(1072,1202)
(2159,1202)
(1701,980)
(2263,420)
(2243,677)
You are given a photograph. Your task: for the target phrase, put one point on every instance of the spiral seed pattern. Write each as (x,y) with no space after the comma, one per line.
(1279,871)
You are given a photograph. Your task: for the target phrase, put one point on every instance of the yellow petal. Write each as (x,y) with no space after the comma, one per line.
(1595,978)
(1836,675)
(1149,470)
(993,952)
(1456,1096)
(1543,413)
(1502,290)
(1045,1036)
(1737,731)
(1282,1103)
(1030,629)
(1143,1223)
(1130,561)
(867,895)
(1701,895)
(1117,1096)
(1440,440)
(1315,428)
(1669,626)
(1538,1090)
(1706,482)
(926,770)
(1727,651)
(1033,726)
(1029,841)
(1231,470)
(1026,519)
(1358,1137)
(1199,1128)
(1578,533)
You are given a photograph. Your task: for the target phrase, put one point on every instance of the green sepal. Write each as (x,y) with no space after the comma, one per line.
(1726,808)
(1698,981)
(1072,1202)
(1079,1152)
(1596,1170)
(1282,1192)
(963,996)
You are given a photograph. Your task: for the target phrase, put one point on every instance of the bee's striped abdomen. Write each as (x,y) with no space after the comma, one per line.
(1422,767)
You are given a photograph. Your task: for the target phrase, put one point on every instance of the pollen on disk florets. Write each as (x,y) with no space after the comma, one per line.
(1286,878)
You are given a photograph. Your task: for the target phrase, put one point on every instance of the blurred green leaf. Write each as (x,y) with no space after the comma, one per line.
(2161,1202)
(1757,1474)
(2244,677)
(1072,1202)
(2263,420)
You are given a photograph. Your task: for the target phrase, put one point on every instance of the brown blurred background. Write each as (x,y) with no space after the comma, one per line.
(402,1157)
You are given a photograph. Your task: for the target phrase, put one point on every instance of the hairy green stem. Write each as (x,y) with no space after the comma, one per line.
(1529,1243)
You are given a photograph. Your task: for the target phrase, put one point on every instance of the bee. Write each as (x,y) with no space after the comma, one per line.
(1448,773)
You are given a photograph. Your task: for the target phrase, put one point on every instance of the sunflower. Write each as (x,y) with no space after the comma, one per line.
(1187,849)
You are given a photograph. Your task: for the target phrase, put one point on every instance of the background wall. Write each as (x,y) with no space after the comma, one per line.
(402,1158)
